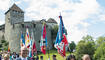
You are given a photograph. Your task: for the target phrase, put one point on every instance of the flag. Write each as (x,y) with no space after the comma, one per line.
(43,41)
(61,41)
(22,40)
(8,49)
(27,39)
(30,48)
(34,50)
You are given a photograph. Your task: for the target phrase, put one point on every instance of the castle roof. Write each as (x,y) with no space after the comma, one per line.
(51,20)
(15,8)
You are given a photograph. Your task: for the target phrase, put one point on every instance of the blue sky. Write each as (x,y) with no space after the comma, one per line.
(81,17)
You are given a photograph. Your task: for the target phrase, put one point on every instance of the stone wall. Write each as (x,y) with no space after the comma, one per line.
(36,28)
(1,34)
(15,36)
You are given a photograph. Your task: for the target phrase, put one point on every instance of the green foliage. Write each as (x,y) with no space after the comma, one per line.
(4,45)
(100,51)
(85,46)
(72,46)
(54,31)
(99,41)
(3,41)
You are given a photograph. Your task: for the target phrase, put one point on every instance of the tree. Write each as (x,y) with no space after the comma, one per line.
(100,51)
(99,41)
(54,31)
(85,46)
(72,46)
(4,45)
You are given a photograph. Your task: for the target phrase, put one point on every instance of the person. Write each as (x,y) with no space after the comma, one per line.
(0,57)
(33,58)
(6,57)
(17,56)
(86,57)
(54,57)
(71,57)
(10,57)
(41,57)
(14,56)
(24,54)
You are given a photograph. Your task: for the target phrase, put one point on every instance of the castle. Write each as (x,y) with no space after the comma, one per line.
(14,24)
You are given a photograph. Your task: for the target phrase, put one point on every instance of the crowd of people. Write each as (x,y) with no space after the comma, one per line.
(23,55)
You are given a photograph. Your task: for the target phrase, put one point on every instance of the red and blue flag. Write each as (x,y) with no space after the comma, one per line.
(61,41)
(43,41)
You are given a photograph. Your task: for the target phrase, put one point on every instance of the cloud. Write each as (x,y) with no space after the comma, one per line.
(18,2)
(4,4)
(1,22)
(73,13)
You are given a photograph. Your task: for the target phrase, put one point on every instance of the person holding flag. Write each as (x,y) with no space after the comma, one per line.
(61,41)
(43,41)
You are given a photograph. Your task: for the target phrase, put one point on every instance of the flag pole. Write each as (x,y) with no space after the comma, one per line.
(34,41)
(48,53)
(47,43)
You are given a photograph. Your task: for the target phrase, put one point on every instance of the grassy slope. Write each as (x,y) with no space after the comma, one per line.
(58,56)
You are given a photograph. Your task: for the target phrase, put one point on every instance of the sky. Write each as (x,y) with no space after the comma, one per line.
(80,17)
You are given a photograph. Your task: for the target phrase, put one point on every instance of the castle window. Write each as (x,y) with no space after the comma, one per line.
(34,25)
(22,25)
(13,26)
(8,19)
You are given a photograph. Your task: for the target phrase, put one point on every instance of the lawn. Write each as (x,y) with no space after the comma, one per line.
(51,52)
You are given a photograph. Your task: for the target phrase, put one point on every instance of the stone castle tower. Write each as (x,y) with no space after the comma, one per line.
(12,30)
(14,25)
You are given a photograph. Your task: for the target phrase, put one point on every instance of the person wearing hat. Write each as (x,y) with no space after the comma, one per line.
(24,54)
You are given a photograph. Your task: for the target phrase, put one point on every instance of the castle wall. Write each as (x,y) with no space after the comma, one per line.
(2,34)
(8,27)
(15,36)
(16,17)
(2,28)
(36,28)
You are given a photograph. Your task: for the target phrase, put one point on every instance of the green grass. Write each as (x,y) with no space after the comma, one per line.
(51,52)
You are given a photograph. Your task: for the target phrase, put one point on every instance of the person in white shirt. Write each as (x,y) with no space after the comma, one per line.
(24,54)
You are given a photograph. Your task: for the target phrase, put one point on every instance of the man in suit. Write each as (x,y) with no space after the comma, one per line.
(24,54)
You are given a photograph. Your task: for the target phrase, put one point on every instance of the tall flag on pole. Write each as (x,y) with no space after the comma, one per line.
(43,41)
(61,41)
(30,48)
(22,40)
(27,39)
(34,50)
